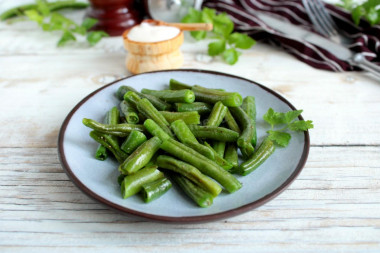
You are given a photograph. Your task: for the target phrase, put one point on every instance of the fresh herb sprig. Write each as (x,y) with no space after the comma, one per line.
(281,122)
(369,9)
(44,14)
(227,42)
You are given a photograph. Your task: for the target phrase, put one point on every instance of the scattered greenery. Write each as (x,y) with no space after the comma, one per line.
(226,41)
(45,15)
(369,9)
(288,122)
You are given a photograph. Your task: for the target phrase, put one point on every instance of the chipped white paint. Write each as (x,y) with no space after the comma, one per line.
(333,206)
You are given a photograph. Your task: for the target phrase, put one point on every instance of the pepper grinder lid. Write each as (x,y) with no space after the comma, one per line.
(170,10)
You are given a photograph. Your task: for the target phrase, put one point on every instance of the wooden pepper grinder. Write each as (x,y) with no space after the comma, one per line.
(115,16)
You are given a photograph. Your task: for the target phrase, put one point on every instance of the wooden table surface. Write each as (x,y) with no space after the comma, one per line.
(333,206)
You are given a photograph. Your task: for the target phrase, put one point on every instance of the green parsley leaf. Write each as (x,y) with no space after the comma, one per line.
(95,36)
(207,15)
(357,13)
(66,37)
(34,16)
(231,56)
(281,138)
(198,35)
(369,9)
(216,47)
(372,16)
(223,25)
(88,23)
(242,41)
(274,118)
(301,125)
(43,7)
(291,115)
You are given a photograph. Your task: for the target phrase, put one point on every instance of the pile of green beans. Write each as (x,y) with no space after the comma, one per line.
(192,136)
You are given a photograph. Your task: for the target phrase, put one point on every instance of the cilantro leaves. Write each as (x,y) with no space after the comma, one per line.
(287,121)
(227,42)
(369,9)
(42,13)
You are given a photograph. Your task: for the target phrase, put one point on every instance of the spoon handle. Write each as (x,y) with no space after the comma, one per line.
(189,26)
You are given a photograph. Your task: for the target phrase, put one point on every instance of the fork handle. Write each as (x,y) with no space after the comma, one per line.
(360,61)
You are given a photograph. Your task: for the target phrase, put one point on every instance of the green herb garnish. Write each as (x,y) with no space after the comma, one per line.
(287,121)
(45,15)
(369,9)
(227,42)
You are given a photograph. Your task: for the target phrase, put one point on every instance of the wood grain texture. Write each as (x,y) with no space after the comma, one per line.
(333,206)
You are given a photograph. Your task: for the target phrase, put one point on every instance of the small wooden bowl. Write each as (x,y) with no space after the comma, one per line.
(151,56)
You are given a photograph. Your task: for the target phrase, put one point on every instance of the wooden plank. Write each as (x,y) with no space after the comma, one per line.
(332,206)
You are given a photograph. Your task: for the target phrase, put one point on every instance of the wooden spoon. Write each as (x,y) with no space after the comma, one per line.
(183,26)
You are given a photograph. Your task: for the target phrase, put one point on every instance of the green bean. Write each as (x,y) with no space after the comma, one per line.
(141,156)
(106,141)
(189,172)
(249,106)
(231,122)
(217,114)
(185,136)
(264,151)
(231,154)
(219,159)
(244,141)
(214,133)
(230,99)
(129,112)
(148,110)
(219,147)
(188,117)
(153,190)
(154,129)
(132,98)
(101,152)
(158,103)
(205,165)
(172,96)
(19,10)
(133,183)
(200,107)
(201,197)
(177,85)
(121,130)
(133,141)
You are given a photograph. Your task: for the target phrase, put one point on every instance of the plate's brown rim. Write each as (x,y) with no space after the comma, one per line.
(184,219)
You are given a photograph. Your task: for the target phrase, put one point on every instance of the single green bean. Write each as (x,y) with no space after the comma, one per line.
(129,112)
(219,147)
(101,152)
(201,197)
(205,165)
(172,96)
(19,10)
(132,98)
(153,190)
(121,130)
(188,117)
(200,107)
(177,85)
(249,106)
(217,114)
(149,111)
(154,129)
(158,103)
(133,141)
(133,183)
(214,133)
(230,99)
(231,122)
(264,151)
(141,156)
(231,154)
(201,149)
(244,141)
(106,141)
(219,159)
(189,172)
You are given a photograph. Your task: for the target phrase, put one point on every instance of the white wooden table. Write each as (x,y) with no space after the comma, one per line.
(333,206)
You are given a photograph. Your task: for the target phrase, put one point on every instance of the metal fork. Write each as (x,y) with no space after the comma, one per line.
(323,22)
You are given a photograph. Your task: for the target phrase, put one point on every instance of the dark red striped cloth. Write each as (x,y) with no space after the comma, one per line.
(366,39)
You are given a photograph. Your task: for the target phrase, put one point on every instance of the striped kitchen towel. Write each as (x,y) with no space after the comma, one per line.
(366,38)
